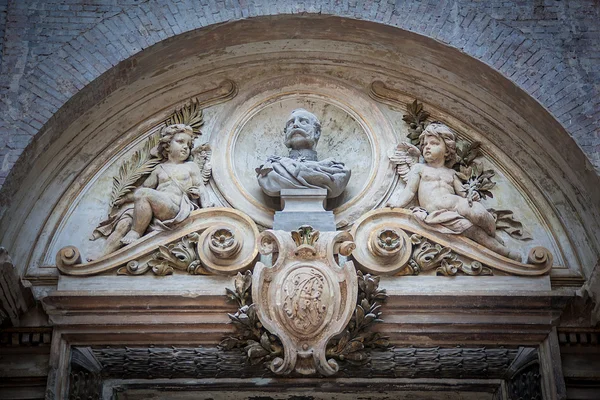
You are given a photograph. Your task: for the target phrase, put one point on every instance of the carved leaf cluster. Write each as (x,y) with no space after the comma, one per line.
(415,118)
(258,344)
(351,344)
(191,114)
(466,153)
(182,255)
(133,171)
(479,182)
(427,256)
(505,221)
(241,293)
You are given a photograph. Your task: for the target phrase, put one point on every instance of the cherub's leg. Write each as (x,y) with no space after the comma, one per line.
(480,236)
(148,203)
(478,215)
(205,198)
(113,241)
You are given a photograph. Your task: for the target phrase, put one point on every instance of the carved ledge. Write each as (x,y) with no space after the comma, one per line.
(391,242)
(211,241)
(131,362)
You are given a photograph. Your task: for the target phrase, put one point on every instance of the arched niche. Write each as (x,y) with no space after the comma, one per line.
(328,59)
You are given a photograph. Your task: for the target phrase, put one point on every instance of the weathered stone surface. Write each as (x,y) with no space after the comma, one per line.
(303,207)
(71,44)
(336,67)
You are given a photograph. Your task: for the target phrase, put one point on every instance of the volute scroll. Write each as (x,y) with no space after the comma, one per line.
(211,241)
(391,242)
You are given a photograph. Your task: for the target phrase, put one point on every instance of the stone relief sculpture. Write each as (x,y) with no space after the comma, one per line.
(302,168)
(160,186)
(309,309)
(447,205)
(211,241)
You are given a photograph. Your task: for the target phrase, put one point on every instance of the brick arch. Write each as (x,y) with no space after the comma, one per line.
(62,75)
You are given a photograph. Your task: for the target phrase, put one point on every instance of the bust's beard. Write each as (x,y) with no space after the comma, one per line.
(300,139)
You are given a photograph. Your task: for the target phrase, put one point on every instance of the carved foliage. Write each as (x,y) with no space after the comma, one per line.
(132,171)
(415,118)
(182,255)
(428,256)
(351,345)
(258,344)
(191,114)
(505,221)
(187,255)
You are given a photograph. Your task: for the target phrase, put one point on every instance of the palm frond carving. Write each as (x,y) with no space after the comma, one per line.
(133,170)
(190,114)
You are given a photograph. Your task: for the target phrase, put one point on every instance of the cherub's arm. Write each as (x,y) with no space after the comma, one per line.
(403,197)
(459,188)
(152,180)
(197,185)
(198,189)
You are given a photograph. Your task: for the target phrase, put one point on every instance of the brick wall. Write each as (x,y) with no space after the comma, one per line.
(52,48)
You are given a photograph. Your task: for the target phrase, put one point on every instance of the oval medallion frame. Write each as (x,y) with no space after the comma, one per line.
(302,88)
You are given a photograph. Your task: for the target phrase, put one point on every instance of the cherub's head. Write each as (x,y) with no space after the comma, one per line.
(176,142)
(302,130)
(438,140)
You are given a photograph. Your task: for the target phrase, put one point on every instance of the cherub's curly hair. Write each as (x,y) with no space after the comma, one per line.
(443,132)
(166,135)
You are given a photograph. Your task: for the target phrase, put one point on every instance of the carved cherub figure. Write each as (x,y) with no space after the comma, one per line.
(440,192)
(167,194)
(174,176)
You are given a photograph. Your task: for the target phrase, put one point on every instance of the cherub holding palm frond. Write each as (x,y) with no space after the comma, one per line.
(442,196)
(160,188)
(167,195)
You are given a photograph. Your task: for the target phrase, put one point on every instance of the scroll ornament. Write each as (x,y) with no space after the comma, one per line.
(211,241)
(391,242)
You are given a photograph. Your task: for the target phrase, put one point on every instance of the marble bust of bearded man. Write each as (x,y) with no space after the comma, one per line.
(301,169)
